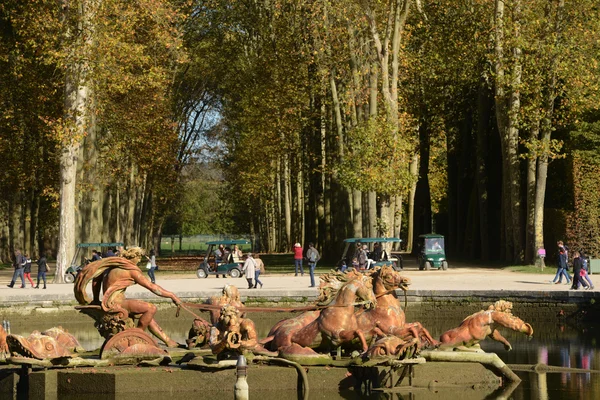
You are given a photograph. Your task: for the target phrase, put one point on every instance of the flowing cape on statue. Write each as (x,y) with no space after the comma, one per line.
(95,271)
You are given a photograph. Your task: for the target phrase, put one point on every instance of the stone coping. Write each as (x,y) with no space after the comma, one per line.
(304,296)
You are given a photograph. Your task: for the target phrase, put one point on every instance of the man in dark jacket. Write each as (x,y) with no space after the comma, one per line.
(561,264)
(19,265)
(577,278)
(42,270)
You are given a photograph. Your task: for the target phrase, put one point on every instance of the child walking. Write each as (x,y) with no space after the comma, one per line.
(27,269)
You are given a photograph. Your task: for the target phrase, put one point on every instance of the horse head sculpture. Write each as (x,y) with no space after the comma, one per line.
(390,279)
(341,289)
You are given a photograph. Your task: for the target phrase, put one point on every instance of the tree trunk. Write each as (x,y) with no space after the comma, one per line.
(422,223)
(397,221)
(114,228)
(146,219)
(277,240)
(287,201)
(357,214)
(414,171)
(300,201)
(507,109)
(5,256)
(34,226)
(131,200)
(542,163)
(392,213)
(372,196)
(90,206)
(77,119)
(513,148)
(66,235)
(123,208)
(25,218)
(396,20)
(483,118)
(139,228)
(272,243)
(384,212)
(339,220)
(530,256)
(106,213)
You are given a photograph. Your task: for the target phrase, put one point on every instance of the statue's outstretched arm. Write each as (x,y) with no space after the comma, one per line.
(141,280)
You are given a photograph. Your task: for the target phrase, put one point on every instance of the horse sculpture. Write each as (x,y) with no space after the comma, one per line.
(52,343)
(482,324)
(334,326)
(388,317)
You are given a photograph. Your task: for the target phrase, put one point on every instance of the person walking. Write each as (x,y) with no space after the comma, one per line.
(27,269)
(258,269)
(298,259)
(249,269)
(584,269)
(577,267)
(152,266)
(42,270)
(313,256)
(561,263)
(19,265)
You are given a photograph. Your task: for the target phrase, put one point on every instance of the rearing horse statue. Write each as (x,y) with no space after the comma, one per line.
(329,328)
(388,317)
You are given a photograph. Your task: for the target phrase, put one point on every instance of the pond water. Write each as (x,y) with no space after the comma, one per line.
(556,344)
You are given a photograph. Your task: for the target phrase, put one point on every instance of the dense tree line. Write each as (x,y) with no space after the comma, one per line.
(300,121)
(356,118)
(87,122)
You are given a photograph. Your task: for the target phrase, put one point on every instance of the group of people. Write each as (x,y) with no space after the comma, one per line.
(253,267)
(312,257)
(580,268)
(227,255)
(362,259)
(22,265)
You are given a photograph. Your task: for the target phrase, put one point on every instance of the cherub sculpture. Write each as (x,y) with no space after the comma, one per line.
(230,296)
(483,323)
(232,333)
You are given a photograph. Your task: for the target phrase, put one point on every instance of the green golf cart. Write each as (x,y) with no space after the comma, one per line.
(431,252)
(82,257)
(379,256)
(219,265)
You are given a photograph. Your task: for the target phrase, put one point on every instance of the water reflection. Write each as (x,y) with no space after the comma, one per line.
(569,348)
(557,345)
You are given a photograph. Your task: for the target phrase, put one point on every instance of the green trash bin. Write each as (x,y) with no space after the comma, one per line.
(594,266)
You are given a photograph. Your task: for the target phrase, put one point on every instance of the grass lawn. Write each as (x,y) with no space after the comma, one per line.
(190,245)
(284,263)
(532,269)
